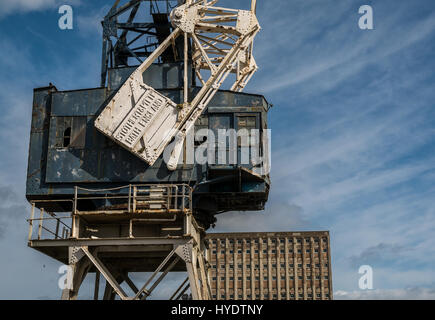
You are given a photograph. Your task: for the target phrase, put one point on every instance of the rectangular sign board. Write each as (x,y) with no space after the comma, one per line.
(140,119)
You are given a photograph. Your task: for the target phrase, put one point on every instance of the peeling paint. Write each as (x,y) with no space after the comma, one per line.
(75,172)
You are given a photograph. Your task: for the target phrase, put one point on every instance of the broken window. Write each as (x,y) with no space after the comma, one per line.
(70,132)
(67,137)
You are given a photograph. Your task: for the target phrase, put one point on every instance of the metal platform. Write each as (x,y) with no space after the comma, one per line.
(147,228)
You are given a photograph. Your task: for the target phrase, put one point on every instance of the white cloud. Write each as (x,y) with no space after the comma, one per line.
(8,7)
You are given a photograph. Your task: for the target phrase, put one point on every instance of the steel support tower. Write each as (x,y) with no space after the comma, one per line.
(152,229)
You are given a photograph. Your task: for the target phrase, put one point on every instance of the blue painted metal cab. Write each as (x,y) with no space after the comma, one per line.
(67,151)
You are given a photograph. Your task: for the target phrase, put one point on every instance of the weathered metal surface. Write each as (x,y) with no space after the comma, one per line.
(133,118)
(53,169)
(78,102)
(38,141)
(158,76)
(222,98)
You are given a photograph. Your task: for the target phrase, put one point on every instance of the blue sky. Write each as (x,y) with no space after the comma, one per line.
(353,132)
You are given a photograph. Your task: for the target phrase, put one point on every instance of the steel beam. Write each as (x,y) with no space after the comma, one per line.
(107,242)
(160,267)
(106,273)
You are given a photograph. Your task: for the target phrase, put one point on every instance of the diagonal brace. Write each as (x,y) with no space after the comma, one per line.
(106,274)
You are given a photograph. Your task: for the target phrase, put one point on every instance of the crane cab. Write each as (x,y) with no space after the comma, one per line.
(66,152)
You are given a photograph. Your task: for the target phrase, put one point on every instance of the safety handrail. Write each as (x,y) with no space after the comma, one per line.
(178,197)
(66,229)
(137,198)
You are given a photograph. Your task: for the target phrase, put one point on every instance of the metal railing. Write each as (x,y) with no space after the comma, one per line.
(56,226)
(140,198)
(130,199)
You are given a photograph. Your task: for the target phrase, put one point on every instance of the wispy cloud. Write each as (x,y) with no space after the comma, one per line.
(379,254)
(278,216)
(90,23)
(23,6)
(336,49)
